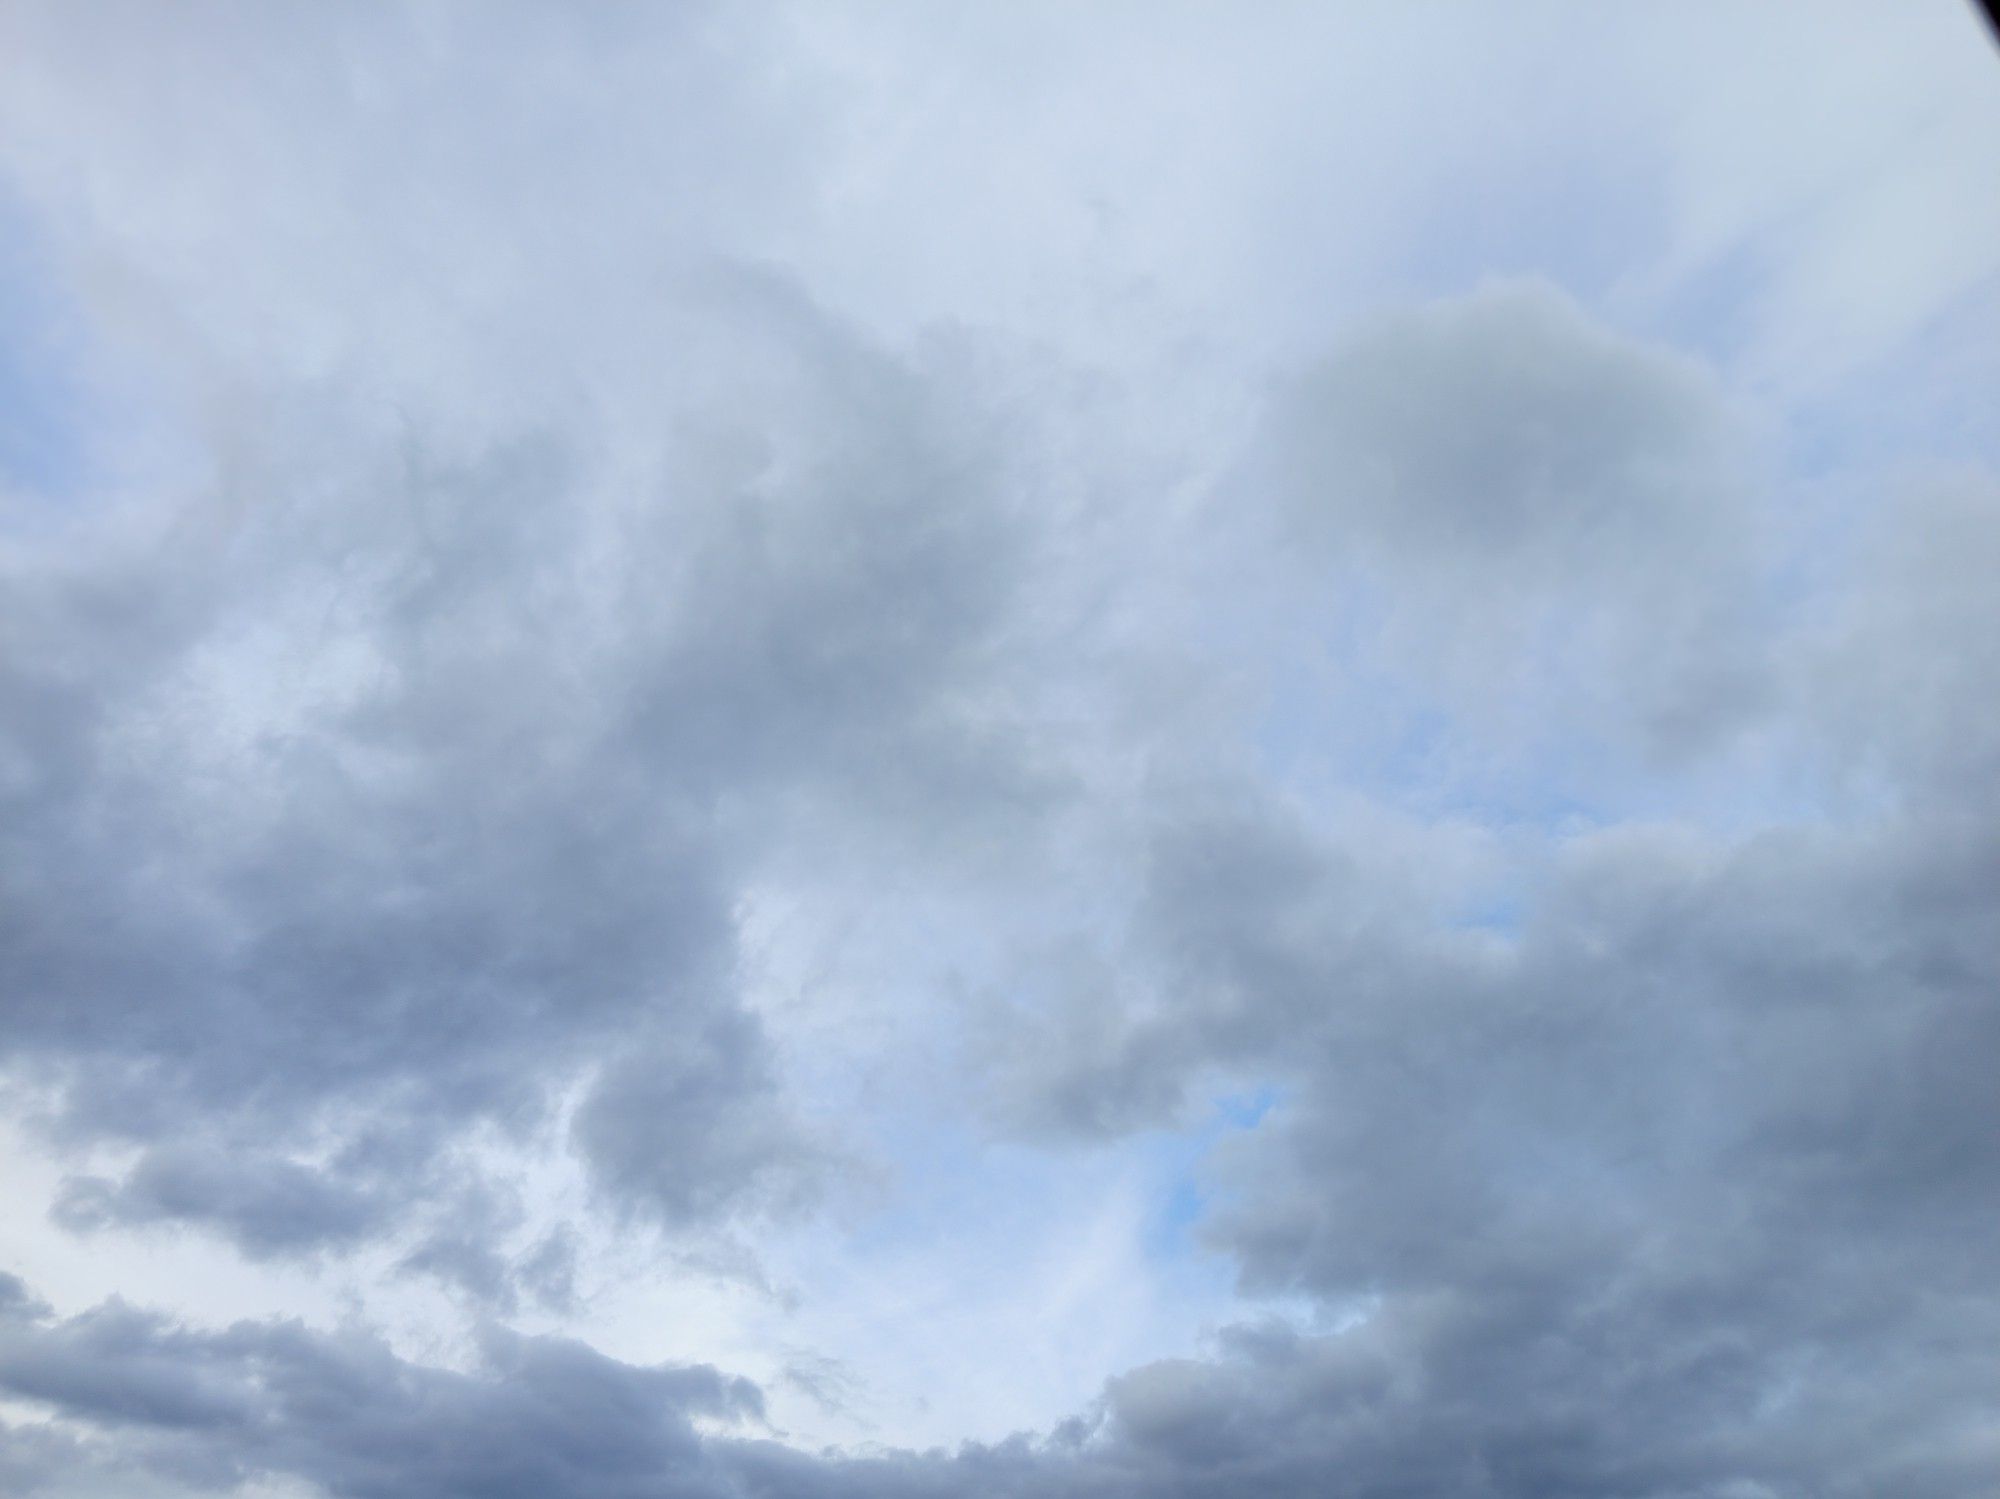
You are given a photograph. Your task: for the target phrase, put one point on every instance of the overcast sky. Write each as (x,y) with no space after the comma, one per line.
(930,750)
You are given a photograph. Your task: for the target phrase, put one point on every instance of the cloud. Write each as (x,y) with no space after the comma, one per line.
(1536,502)
(639,620)
(1641,1190)
(265,1206)
(434,765)
(1901,675)
(536,1415)
(1439,1394)
(668,1126)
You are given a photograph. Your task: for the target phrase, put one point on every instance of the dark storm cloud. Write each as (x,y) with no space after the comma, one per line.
(339,823)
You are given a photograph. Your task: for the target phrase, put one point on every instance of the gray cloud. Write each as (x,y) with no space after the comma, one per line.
(439,770)
(670,1125)
(1641,1196)
(536,1415)
(1527,492)
(1508,434)
(266,1206)
(1449,1393)
(1901,675)
(1674,1184)
(1581,835)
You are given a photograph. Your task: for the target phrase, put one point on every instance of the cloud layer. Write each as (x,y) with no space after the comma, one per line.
(669,678)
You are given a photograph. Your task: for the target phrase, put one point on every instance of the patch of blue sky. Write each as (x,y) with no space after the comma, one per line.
(1340,718)
(1500,912)
(1359,730)
(1078,1261)
(45,401)
(1183,1192)
(996,1210)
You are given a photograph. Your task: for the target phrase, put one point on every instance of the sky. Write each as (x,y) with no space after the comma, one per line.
(1073,751)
